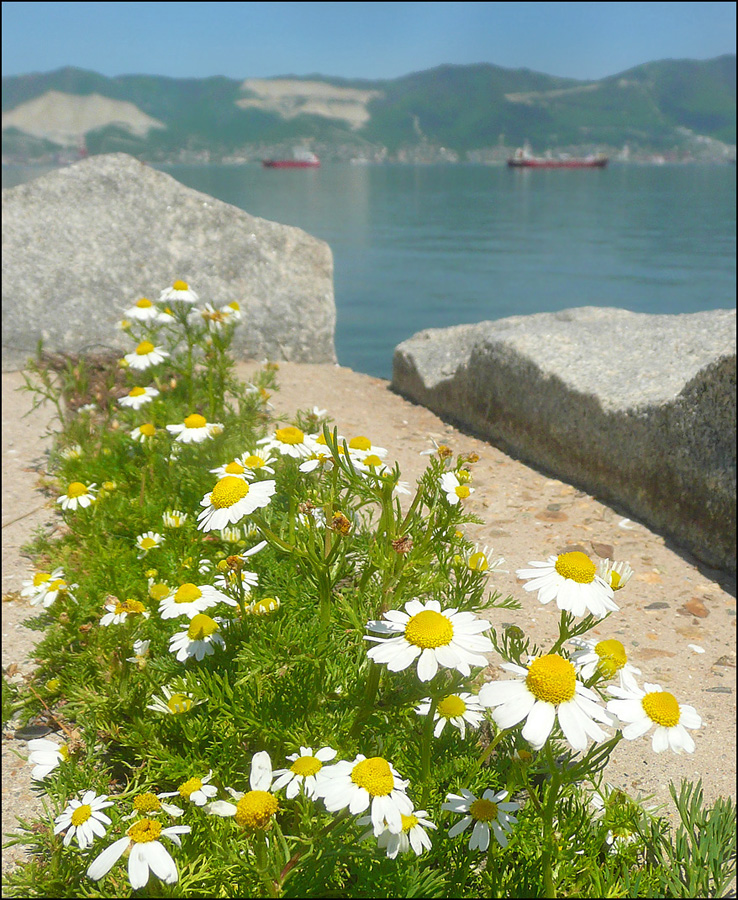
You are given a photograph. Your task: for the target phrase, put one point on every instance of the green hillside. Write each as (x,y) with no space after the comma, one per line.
(463,108)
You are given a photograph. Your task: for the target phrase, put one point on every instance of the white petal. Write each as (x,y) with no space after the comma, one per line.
(161,863)
(539,724)
(138,866)
(261,772)
(636,729)
(572,726)
(660,739)
(427,665)
(480,837)
(107,859)
(460,826)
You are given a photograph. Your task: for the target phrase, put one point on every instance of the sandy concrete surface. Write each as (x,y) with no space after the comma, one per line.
(671,606)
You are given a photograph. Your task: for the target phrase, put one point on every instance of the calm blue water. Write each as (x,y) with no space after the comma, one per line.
(429,246)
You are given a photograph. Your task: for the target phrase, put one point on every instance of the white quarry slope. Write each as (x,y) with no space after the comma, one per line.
(65,118)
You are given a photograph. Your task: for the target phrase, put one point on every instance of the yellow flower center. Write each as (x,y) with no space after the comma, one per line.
(189,787)
(179,703)
(360,443)
(159,591)
(147,430)
(463,491)
(76,489)
(201,626)
(478,562)
(265,605)
(289,435)
(180,285)
(306,765)
(147,543)
(255,809)
(57,585)
(228,491)
(137,392)
(408,822)
(236,307)
(429,629)
(451,707)
(143,303)
(612,657)
(551,679)
(144,831)
(234,468)
(81,814)
(615,579)
(253,462)
(144,348)
(372,460)
(576,566)
(133,606)
(40,578)
(374,775)
(187,593)
(146,803)
(195,421)
(483,810)
(662,708)
(64,751)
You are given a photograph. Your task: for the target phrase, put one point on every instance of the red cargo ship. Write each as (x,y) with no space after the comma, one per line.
(301,159)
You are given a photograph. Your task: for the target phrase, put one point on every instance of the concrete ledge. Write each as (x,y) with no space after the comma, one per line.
(637,409)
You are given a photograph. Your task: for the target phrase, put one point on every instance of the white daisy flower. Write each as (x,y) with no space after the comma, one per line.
(150,804)
(45,756)
(72,452)
(145,356)
(78,494)
(616,574)
(454,488)
(194,430)
(235,467)
(231,499)
(143,310)
(361,447)
(481,560)
(606,657)
(257,461)
(196,790)
(190,600)
(412,837)
(459,709)
(572,580)
(304,772)
(319,458)
(138,397)
(433,636)
(84,819)
(488,811)
(231,311)
(548,689)
(148,541)
(289,441)
(118,612)
(216,319)
(143,433)
(173,518)
(228,579)
(147,853)
(197,639)
(173,702)
(255,809)
(264,606)
(642,709)
(141,653)
(180,290)
(45,587)
(366,783)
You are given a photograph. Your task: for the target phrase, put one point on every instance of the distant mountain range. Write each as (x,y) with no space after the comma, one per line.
(450,112)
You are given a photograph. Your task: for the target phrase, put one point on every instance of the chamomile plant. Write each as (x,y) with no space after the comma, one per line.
(277,669)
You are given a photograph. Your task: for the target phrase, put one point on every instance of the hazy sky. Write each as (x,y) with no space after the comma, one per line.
(359,40)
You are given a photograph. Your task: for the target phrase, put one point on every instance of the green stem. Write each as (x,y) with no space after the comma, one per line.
(548,815)
(425,750)
(488,752)
(262,865)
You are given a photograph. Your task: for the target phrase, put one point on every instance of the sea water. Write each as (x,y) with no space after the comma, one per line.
(419,247)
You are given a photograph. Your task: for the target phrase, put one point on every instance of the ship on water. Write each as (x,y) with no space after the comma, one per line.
(301,159)
(523,159)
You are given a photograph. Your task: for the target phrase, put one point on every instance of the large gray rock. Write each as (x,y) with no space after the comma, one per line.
(637,409)
(83,243)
